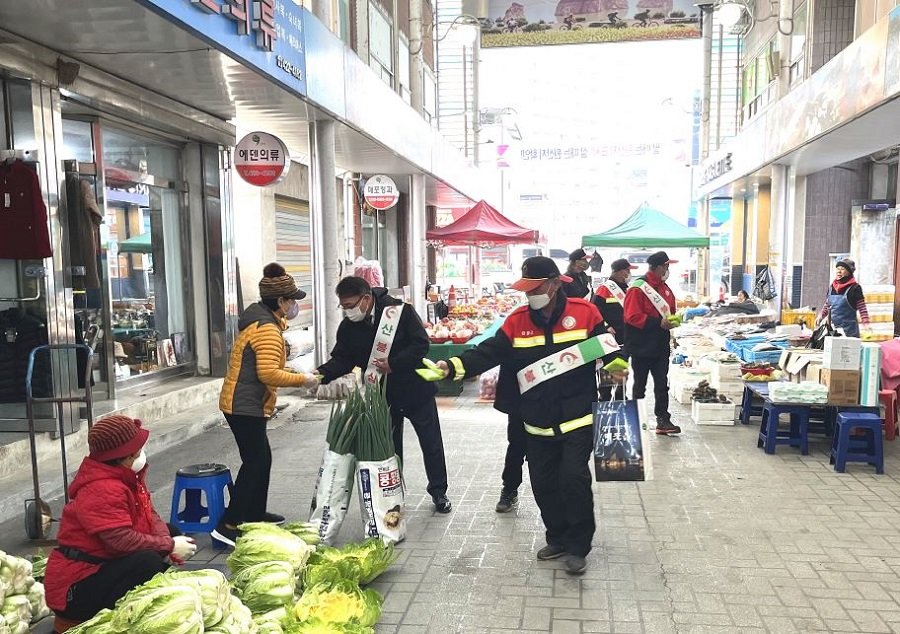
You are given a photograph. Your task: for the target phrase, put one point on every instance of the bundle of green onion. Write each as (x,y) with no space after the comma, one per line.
(373,439)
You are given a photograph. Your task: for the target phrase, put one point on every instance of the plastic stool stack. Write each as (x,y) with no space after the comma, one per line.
(846,448)
(888,399)
(797,436)
(192,483)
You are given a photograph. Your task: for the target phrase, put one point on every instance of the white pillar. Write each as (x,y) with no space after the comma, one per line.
(781,224)
(326,248)
(416,60)
(417,265)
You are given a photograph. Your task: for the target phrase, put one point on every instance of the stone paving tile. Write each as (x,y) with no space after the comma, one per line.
(724,539)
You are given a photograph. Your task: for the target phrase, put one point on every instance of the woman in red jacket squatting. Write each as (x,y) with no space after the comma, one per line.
(110,538)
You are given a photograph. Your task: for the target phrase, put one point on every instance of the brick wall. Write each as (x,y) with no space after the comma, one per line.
(833,22)
(828,197)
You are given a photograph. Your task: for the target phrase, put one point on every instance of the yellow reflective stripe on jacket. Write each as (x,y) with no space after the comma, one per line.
(459,371)
(572,335)
(612,300)
(558,337)
(565,428)
(528,342)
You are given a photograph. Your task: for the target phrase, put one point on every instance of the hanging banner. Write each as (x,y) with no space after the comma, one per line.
(261,159)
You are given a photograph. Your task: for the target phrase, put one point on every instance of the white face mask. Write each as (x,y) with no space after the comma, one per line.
(355,314)
(628,279)
(292,311)
(665,275)
(139,463)
(537,302)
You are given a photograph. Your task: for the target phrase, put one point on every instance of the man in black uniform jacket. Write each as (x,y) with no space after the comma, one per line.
(408,395)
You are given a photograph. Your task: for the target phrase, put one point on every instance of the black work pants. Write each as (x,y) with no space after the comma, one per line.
(561,482)
(251,487)
(516,438)
(424,419)
(113,581)
(658,367)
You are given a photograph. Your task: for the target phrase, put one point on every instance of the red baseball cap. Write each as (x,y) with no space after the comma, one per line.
(536,271)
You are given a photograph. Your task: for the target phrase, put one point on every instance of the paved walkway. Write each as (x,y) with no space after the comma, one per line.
(724,539)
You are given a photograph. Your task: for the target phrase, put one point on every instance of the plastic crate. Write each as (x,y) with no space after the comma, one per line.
(768,356)
(795,316)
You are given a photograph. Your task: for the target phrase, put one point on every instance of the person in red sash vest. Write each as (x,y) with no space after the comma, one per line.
(648,304)
(551,345)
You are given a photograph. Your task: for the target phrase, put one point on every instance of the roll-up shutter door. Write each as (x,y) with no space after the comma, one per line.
(292,249)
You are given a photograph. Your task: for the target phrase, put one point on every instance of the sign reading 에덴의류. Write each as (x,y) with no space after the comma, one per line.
(261,159)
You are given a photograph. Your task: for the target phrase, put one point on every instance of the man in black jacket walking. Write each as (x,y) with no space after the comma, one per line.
(408,395)
(579,285)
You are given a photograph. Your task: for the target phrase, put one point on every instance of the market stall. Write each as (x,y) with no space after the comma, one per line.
(481,227)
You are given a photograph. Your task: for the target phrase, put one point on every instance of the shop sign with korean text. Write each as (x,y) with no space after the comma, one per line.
(381,192)
(267,35)
(261,159)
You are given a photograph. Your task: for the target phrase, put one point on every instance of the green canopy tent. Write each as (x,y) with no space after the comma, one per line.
(647,228)
(138,244)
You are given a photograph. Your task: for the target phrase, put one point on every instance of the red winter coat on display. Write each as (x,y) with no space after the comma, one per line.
(25,235)
(109,515)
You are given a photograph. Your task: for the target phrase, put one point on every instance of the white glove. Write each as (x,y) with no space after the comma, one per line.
(310,381)
(184,547)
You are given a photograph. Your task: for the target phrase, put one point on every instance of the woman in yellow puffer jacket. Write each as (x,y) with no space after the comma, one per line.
(255,372)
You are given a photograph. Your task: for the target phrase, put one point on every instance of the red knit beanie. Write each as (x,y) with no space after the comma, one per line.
(116,436)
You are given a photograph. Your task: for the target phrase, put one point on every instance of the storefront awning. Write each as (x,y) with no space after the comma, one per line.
(482,226)
(647,228)
(138,244)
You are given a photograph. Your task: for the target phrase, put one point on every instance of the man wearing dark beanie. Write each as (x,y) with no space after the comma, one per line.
(110,538)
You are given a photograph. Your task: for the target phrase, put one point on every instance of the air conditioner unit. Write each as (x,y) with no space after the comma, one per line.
(490,117)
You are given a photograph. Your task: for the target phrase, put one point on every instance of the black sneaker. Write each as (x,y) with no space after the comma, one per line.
(273,518)
(576,565)
(508,499)
(224,535)
(550,551)
(442,504)
(666,428)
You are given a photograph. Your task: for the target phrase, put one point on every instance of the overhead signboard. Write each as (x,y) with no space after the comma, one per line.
(261,159)
(380,192)
(267,35)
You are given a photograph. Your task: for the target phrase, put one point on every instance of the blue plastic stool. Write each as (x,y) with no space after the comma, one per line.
(797,436)
(193,481)
(869,449)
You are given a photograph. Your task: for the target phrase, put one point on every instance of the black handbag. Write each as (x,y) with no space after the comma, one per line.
(825,329)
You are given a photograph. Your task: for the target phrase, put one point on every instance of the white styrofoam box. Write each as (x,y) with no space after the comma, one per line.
(721,371)
(713,413)
(841,353)
(791,329)
(682,396)
(870,374)
(731,383)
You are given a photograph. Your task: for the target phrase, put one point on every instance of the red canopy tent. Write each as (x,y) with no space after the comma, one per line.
(482,226)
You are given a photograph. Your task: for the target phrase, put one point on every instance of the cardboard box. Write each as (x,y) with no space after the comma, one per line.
(713,413)
(841,353)
(801,365)
(870,374)
(843,386)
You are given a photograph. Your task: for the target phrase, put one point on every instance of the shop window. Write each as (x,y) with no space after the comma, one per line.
(342,13)
(381,36)
(78,141)
(21,114)
(404,69)
(145,236)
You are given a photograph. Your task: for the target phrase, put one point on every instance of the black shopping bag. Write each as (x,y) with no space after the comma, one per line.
(621,442)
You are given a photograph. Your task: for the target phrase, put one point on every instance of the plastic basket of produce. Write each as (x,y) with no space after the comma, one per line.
(459,340)
(439,339)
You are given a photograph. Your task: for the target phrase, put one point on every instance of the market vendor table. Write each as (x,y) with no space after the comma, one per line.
(444,351)
(825,414)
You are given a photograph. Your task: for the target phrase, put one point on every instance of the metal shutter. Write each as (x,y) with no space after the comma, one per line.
(292,249)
